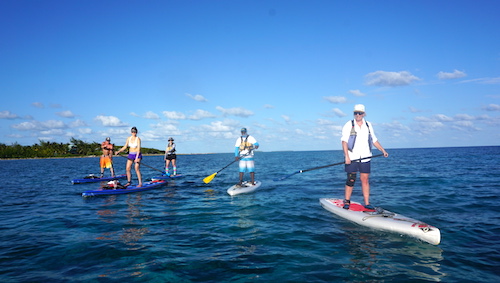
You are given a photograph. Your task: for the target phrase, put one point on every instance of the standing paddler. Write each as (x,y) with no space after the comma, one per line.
(134,156)
(243,151)
(106,160)
(357,139)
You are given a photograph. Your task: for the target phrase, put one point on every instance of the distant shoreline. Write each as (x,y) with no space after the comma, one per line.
(389,149)
(91,156)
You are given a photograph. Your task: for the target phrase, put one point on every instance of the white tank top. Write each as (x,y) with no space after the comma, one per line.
(133,144)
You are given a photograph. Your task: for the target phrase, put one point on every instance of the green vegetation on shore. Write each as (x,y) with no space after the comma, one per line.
(52,149)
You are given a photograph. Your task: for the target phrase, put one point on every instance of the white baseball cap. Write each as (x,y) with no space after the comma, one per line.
(359,108)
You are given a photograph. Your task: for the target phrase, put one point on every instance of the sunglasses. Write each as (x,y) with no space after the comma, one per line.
(359,113)
(134,132)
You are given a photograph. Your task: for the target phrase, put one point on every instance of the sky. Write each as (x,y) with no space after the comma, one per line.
(428,72)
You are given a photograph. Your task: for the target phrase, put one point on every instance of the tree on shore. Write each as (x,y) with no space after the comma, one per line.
(52,149)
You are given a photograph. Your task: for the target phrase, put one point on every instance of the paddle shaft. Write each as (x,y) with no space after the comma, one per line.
(226,166)
(325,166)
(209,179)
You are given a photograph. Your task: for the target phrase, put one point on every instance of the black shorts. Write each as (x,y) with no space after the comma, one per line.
(171,156)
(361,167)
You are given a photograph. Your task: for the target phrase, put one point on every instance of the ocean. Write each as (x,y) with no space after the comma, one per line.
(190,231)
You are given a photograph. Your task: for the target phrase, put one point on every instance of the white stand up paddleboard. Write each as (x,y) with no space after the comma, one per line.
(383,220)
(246,187)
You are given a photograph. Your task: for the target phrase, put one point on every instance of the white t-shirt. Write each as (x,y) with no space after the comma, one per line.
(361,146)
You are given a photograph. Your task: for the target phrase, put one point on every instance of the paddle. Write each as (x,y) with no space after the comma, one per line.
(209,179)
(320,167)
(143,164)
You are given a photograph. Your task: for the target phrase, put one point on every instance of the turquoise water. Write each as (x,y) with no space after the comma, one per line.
(195,232)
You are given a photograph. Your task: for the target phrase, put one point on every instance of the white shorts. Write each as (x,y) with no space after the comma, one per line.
(247,166)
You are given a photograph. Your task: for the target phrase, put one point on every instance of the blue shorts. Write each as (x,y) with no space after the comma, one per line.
(247,166)
(361,167)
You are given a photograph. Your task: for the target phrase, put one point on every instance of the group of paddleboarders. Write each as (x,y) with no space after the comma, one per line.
(357,139)
(134,156)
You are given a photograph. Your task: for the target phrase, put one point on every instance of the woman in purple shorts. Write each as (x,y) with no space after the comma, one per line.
(134,156)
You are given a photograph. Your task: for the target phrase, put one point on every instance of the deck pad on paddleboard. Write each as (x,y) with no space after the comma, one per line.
(245,187)
(94,179)
(382,219)
(130,189)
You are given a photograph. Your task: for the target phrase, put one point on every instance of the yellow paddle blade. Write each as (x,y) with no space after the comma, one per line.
(209,178)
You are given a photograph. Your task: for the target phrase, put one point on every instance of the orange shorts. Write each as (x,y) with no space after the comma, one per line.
(106,162)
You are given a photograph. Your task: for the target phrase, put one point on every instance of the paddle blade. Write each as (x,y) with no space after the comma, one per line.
(209,178)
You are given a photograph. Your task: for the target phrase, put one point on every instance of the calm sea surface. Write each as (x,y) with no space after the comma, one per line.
(195,232)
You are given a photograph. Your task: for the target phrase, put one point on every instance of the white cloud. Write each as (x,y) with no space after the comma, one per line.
(226,129)
(197,97)
(77,123)
(356,92)
(268,106)
(53,132)
(447,76)
(110,121)
(414,110)
(26,126)
(37,104)
(335,99)
(286,118)
(151,115)
(236,111)
(53,124)
(492,81)
(66,114)
(338,112)
(85,131)
(391,79)
(443,118)
(465,117)
(201,114)
(492,107)
(41,126)
(165,126)
(323,122)
(464,125)
(8,115)
(174,115)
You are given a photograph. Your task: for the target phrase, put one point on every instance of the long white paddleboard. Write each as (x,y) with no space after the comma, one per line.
(246,187)
(383,220)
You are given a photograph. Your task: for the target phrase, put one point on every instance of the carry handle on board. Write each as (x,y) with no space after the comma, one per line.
(324,166)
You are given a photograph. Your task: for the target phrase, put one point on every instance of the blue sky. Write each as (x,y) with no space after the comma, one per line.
(428,72)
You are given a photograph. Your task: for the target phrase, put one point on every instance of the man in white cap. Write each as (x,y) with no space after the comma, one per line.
(357,139)
(243,151)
